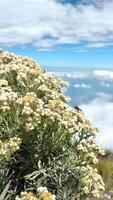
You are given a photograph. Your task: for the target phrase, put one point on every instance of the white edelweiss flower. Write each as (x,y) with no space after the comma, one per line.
(53,197)
(95,160)
(20,101)
(23,193)
(107,196)
(92,155)
(27,110)
(95,193)
(12,96)
(27,104)
(80,147)
(29,126)
(5,108)
(3,82)
(102,152)
(21,75)
(42,189)
(5,103)
(18,198)
(86,189)
(4,96)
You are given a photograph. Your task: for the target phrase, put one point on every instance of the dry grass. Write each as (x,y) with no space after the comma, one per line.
(105,168)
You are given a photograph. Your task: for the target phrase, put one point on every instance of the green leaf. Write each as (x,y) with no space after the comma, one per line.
(4,194)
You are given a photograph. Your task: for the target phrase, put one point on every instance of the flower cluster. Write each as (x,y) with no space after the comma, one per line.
(42,194)
(35,113)
(91,181)
(7,148)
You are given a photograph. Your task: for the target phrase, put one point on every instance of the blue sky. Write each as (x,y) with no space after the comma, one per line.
(62,34)
(102,58)
(59,33)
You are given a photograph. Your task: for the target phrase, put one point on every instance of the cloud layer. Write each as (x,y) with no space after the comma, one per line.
(100,111)
(49,23)
(83,85)
(92,92)
(100,74)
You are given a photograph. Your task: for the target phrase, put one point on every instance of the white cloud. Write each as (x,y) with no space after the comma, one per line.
(103,96)
(99,45)
(47,23)
(104,84)
(100,74)
(104,74)
(100,111)
(82,85)
(74,75)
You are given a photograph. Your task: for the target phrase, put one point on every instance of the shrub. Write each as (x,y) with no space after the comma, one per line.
(44,141)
